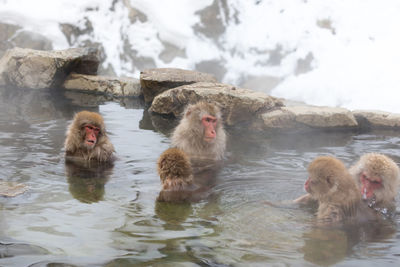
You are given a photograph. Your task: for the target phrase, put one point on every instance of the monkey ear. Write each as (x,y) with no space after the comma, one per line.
(188,111)
(329,180)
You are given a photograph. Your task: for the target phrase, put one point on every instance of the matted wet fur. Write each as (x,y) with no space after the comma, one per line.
(176,177)
(74,143)
(174,169)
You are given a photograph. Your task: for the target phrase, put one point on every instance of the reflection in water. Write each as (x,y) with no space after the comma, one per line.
(124,224)
(87,179)
(327,246)
(174,214)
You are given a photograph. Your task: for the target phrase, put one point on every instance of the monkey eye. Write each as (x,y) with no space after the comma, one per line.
(210,119)
(93,128)
(375,181)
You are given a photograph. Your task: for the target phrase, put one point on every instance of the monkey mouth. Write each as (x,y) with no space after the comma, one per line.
(209,139)
(90,143)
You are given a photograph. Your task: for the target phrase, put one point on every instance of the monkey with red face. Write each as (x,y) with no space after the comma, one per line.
(378,179)
(198,143)
(87,139)
(339,201)
(200,133)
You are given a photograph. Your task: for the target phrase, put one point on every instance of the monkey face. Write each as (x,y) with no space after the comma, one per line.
(210,124)
(369,184)
(310,184)
(90,135)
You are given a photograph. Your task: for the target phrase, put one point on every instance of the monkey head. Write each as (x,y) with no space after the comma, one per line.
(91,127)
(174,169)
(87,139)
(377,176)
(85,132)
(207,117)
(329,180)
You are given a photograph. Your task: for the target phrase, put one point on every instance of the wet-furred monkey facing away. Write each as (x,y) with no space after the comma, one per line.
(200,133)
(176,177)
(87,139)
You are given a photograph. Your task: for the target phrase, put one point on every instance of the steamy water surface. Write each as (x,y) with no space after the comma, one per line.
(108,216)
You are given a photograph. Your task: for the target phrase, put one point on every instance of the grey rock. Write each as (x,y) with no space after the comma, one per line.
(377,119)
(28,68)
(237,105)
(156,81)
(311,117)
(121,87)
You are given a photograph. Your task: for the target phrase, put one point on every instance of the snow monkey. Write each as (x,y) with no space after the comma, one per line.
(198,143)
(200,133)
(331,184)
(378,179)
(87,138)
(176,177)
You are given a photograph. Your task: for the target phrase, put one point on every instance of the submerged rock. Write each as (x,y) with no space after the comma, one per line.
(377,119)
(237,105)
(156,81)
(311,117)
(27,68)
(11,189)
(19,249)
(121,87)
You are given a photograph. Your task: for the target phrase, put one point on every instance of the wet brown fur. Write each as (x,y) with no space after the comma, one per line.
(174,169)
(175,172)
(189,134)
(332,186)
(74,143)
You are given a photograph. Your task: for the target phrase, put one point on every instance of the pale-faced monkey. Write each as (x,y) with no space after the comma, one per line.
(200,133)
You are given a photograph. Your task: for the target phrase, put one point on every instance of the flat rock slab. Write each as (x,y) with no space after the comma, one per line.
(28,68)
(237,105)
(11,189)
(120,87)
(299,117)
(156,81)
(377,119)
